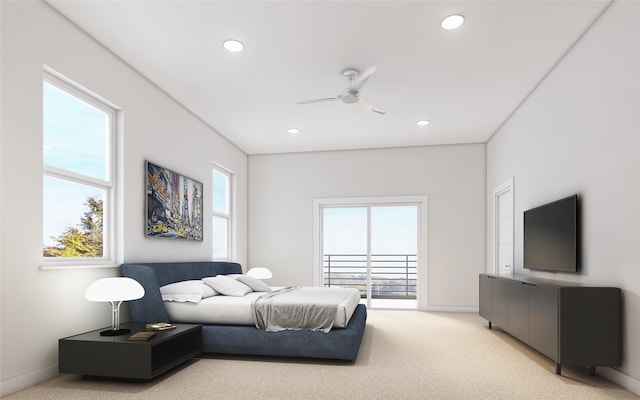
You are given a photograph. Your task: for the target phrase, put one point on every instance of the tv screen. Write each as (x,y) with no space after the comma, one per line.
(551,236)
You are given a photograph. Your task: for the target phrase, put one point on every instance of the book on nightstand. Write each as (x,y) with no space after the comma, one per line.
(159,326)
(142,336)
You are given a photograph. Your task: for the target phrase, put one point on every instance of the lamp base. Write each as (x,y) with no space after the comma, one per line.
(115,332)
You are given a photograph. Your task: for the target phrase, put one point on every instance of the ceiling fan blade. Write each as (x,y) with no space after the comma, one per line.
(367,104)
(363,78)
(318,100)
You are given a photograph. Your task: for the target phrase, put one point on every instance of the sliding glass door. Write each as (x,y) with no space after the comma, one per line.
(374,248)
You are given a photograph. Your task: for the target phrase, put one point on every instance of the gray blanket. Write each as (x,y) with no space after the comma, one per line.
(298,308)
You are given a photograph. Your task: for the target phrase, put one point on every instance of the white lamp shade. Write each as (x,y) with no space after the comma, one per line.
(260,273)
(114,289)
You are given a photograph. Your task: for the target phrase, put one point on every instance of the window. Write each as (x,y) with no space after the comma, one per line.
(222,242)
(78,175)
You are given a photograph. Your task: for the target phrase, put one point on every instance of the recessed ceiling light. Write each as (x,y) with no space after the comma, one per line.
(422,122)
(233,45)
(452,22)
(293,131)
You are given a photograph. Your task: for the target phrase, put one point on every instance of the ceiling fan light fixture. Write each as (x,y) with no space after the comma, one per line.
(452,22)
(232,45)
(423,122)
(351,95)
(293,131)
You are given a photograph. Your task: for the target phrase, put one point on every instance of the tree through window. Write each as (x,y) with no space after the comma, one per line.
(77,157)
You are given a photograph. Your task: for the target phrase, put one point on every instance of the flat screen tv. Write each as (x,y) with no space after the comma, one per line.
(551,236)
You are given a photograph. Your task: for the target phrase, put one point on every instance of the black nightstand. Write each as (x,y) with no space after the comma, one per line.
(90,354)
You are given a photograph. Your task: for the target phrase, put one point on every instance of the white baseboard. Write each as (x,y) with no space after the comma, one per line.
(628,382)
(21,382)
(452,309)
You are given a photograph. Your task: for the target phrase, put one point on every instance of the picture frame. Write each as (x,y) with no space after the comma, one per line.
(173,204)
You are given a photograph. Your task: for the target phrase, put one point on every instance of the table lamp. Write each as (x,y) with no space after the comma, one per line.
(260,273)
(114,291)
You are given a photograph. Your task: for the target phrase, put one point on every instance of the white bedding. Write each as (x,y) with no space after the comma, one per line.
(232,310)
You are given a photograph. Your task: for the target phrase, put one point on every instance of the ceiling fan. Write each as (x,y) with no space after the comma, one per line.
(351,94)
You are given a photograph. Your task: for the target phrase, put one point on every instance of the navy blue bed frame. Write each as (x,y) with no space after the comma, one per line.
(338,344)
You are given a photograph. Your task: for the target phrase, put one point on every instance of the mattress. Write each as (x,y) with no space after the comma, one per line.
(232,310)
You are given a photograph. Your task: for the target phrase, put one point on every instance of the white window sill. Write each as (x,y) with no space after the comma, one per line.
(54,267)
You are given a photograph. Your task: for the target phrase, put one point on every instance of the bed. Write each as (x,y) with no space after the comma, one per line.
(241,338)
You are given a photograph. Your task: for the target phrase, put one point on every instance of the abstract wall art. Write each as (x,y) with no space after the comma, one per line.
(173,205)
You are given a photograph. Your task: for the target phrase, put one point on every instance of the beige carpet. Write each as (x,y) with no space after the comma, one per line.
(404,355)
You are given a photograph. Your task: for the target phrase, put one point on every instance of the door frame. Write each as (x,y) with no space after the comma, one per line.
(507,185)
(422,203)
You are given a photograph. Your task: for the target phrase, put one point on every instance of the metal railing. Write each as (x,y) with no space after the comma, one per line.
(392,276)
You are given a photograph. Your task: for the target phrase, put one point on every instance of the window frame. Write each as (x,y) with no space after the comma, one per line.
(109,257)
(229,216)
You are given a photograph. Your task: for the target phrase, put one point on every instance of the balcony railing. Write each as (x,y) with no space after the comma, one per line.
(393,276)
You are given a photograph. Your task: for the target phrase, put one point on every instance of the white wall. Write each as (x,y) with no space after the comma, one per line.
(283,187)
(578,133)
(39,307)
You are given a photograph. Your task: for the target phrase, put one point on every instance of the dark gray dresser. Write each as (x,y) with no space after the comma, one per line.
(570,323)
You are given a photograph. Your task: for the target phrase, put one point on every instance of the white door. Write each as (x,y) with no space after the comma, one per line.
(503,228)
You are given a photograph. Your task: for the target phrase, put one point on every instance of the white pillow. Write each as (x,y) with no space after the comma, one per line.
(227,286)
(255,284)
(192,291)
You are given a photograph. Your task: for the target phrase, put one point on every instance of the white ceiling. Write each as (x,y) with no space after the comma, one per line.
(466,82)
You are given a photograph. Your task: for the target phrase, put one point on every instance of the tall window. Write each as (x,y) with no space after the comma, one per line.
(78,175)
(222,215)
